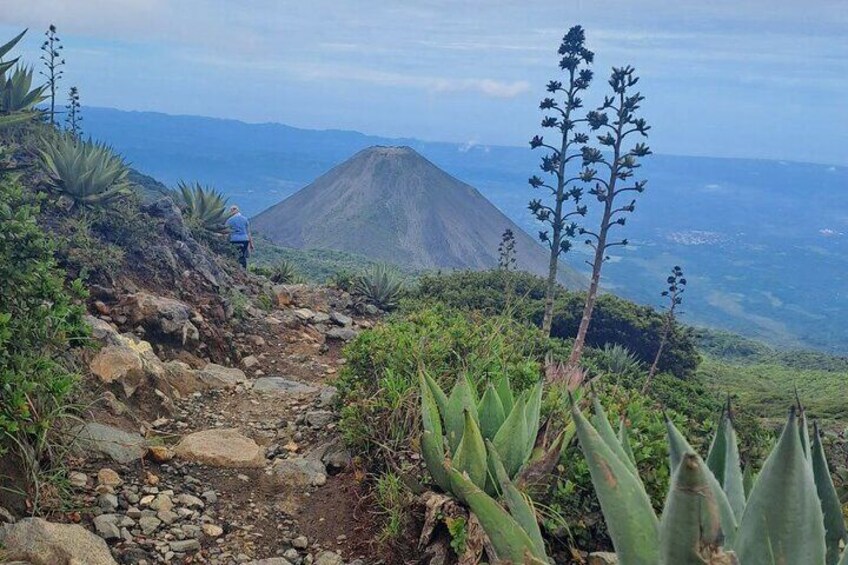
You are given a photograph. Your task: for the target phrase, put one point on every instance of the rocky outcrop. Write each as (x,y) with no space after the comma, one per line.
(220,448)
(166,316)
(40,542)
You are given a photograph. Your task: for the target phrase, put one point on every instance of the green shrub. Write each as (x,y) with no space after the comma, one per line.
(284,272)
(39,319)
(87,172)
(379,382)
(379,285)
(615,320)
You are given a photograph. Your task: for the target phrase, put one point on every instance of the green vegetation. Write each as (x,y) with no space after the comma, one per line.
(789,514)
(282,272)
(638,328)
(380,285)
(39,320)
(87,172)
(379,383)
(17,97)
(204,208)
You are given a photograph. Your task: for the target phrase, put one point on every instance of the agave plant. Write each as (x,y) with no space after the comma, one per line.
(17,97)
(203,206)
(460,427)
(617,359)
(284,272)
(791,515)
(380,285)
(88,172)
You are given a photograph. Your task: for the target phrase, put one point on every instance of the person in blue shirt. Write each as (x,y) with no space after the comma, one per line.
(240,235)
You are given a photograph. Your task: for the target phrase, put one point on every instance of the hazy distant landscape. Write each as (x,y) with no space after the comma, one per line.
(763,242)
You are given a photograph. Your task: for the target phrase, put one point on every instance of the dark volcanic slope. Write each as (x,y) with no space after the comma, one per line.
(393,205)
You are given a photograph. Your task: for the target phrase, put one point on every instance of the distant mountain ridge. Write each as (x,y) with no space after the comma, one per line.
(393,205)
(764,244)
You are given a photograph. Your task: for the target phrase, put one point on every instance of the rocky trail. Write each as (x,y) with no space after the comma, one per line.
(194,462)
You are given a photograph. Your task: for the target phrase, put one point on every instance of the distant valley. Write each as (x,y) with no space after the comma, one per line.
(763,243)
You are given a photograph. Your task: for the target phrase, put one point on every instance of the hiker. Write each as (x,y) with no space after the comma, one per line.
(240,234)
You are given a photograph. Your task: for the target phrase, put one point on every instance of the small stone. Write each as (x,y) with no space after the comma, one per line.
(342,334)
(210,496)
(300,542)
(78,480)
(319,418)
(329,558)
(160,453)
(190,500)
(148,524)
(304,314)
(162,502)
(212,530)
(109,478)
(106,526)
(341,319)
(107,502)
(182,546)
(603,558)
(249,362)
(168,517)
(328,396)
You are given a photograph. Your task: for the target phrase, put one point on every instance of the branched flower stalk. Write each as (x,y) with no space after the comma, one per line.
(613,182)
(53,63)
(73,116)
(575,60)
(674,294)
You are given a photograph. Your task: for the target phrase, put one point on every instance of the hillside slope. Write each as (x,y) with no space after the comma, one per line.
(393,205)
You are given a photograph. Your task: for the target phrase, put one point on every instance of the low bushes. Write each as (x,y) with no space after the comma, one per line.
(615,320)
(379,383)
(39,319)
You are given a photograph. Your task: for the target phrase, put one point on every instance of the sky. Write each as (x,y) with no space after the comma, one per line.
(741,78)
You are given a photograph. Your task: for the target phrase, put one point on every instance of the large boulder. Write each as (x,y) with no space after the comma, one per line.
(102,330)
(220,448)
(122,447)
(40,542)
(183,378)
(167,316)
(119,363)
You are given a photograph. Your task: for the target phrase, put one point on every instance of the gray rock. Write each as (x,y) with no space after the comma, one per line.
(320,318)
(220,447)
(168,517)
(269,561)
(329,558)
(77,479)
(182,546)
(166,315)
(106,526)
(250,361)
(122,447)
(216,376)
(319,418)
(190,501)
(148,524)
(102,331)
(342,334)
(6,516)
(279,385)
(299,472)
(341,319)
(300,542)
(328,396)
(43,543)
(107,502)
(304,314)
(603,558)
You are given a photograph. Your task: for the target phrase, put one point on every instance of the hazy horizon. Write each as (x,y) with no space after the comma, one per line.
(755,79)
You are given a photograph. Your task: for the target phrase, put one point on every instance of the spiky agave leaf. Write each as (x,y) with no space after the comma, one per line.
(718,447)
(624,439)
(511,542)
(783,521)
(491,412)
(470,457)
(631,521)
(734,482)
(678,447)
(17,94)
(603,427)
(381,285)
(88,172)
(504,389)
(8,46)
(532,414)
(511,439)
(462,398)
(438,394)
(517,503)
(690,529)
(432,441)
(834,523)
